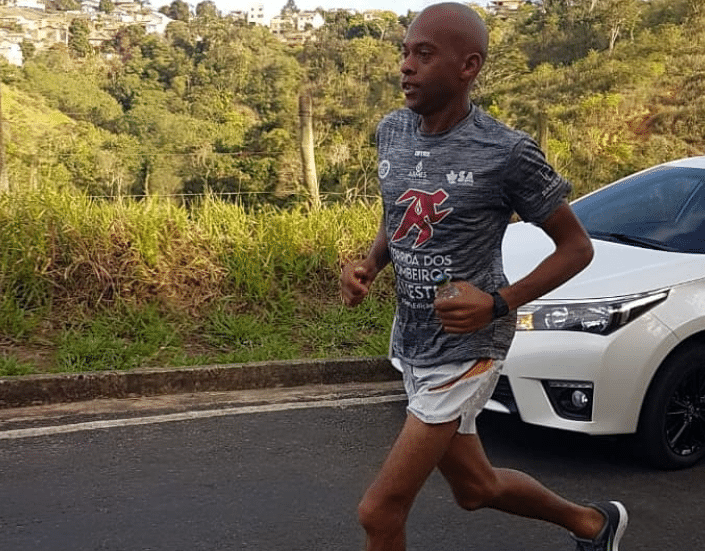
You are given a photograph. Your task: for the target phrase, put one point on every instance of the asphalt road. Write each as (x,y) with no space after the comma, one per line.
(275,471)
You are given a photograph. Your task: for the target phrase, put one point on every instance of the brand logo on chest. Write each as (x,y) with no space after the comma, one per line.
(421,214)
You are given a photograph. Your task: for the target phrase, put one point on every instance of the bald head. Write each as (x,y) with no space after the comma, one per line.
(461,26)
(442,54)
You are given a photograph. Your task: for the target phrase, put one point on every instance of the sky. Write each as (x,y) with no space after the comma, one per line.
(273,7)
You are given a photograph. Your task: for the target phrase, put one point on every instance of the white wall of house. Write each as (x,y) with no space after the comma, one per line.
(11,51)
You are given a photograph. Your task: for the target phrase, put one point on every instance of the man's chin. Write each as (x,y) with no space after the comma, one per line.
(414,106)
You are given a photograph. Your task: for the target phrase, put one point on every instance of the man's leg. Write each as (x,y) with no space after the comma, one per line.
(386,504)
(476,484)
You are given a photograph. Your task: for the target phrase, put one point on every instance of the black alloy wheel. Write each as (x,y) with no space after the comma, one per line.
(672,425)
(685,415)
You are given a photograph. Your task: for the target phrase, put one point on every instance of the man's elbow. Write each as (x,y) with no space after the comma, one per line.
(584,254)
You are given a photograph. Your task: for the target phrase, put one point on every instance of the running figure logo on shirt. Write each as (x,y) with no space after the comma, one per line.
(421,214)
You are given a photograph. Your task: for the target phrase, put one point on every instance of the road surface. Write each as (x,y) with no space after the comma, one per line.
(284,470)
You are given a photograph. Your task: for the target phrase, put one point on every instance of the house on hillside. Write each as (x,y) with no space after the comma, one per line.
(31,4)
(238,15)
(279,24)
(296,27)
(90,6)
(505,8)
(44,29)
(27,4)
(156,23)
(306,20)
(97,38)
(40,28)
(372,15)
(256,15)
(10,48)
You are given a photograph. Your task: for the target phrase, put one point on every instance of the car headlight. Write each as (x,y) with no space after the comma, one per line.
(600,316)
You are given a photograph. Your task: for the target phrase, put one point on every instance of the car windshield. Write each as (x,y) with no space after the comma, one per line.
(662,208)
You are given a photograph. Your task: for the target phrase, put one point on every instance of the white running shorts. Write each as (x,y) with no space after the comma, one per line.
(448,392)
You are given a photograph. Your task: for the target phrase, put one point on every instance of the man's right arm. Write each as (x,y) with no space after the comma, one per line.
(357,277)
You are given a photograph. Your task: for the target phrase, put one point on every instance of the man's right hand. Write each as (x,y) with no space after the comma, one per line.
(355,282)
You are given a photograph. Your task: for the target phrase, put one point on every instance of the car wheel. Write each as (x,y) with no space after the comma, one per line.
(672,426)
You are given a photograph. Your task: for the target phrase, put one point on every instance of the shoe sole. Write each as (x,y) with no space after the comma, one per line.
(622,526)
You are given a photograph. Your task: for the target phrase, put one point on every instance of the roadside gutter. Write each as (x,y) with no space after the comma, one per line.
(32,390)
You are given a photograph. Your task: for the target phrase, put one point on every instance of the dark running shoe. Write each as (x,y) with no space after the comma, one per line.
(615,525)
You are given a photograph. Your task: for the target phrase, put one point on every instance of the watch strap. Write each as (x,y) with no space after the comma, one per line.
(500,308)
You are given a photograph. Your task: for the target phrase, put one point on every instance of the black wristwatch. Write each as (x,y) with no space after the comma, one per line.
(500,307)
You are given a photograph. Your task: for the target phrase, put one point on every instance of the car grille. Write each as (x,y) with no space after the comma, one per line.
(504,395)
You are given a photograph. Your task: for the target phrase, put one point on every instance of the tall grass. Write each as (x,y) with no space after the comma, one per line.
(212,281)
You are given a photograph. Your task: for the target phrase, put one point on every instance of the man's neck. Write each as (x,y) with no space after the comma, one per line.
(438,123)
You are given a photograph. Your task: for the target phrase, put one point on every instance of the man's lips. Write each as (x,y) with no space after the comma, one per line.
(408,87)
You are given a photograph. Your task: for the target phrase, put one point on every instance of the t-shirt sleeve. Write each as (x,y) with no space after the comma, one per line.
(534,188)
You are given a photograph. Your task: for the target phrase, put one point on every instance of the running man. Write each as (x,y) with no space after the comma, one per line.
(451,178)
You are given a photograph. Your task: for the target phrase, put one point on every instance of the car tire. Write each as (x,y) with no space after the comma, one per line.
(671,431)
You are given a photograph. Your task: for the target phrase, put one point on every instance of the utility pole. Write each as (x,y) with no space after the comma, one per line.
(307,152)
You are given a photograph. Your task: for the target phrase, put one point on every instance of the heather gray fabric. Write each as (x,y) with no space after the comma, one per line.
(447,201)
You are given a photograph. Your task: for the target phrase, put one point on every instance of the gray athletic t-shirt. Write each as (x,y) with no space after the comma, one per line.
(447,201)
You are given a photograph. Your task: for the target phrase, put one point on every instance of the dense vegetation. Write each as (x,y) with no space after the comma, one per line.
(156,211)
(93,285)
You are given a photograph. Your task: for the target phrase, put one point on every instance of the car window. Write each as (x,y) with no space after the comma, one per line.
(665,206)
(690,236)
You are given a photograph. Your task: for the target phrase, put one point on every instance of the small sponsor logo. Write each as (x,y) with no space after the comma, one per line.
(383,169)
(422,154)
(418,172)
(461,177)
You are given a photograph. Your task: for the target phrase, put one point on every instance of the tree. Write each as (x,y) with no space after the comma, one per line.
(613,17)
(177,10)
(289,8)
(207,10)
(28,49)
(126,40)
(106,6)
(66,5)
(387,22)
(78,38)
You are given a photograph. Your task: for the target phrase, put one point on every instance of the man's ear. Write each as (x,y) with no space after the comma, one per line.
(471,66)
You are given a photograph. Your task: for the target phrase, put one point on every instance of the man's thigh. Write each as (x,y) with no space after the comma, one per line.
(416,452)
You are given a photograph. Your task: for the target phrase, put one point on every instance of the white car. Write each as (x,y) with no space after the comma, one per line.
(620,348)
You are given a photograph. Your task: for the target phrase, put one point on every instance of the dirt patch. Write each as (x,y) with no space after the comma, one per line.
(40,357)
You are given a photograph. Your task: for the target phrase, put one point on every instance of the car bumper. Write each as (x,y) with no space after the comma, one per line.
(619,366)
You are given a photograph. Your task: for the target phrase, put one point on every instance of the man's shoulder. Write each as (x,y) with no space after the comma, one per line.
(394,125)
(498,131)
(399,118)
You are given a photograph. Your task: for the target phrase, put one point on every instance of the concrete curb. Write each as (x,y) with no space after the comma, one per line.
(32,390)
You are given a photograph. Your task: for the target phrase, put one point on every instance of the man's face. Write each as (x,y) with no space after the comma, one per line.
(431,68)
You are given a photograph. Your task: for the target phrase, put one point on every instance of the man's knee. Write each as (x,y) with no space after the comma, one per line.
(478,494)
(378,517)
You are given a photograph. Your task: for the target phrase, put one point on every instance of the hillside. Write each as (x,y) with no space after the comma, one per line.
(213,104)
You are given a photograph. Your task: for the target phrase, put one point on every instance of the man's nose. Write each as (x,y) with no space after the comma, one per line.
(407,67)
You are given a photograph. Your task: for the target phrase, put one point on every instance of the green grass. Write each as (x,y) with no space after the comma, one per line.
(131,339)
(339,331)
(10,366)
(102,285)
(141,339)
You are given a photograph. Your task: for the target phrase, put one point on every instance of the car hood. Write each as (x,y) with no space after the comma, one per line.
(616,269)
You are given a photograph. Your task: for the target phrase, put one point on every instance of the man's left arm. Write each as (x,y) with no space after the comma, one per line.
(472,309)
